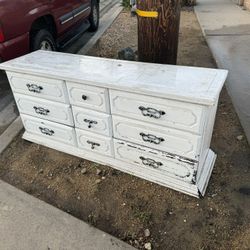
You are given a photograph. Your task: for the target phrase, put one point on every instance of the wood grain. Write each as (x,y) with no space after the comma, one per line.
(158,37)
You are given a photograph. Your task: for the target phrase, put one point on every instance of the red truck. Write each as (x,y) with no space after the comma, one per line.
(28,25)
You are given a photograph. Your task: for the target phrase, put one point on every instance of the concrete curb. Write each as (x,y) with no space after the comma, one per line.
(110,4)
(28,223)
(107,19)
(10,133)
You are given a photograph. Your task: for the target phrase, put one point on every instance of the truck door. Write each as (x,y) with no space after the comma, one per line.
(82,9)
(64,12)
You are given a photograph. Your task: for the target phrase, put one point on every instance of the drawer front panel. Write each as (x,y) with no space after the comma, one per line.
(88,97)
(49,130)
(92,121)
(170,140)
(38,86)
(48,110)
(95,143)
(164,112)
(156,161)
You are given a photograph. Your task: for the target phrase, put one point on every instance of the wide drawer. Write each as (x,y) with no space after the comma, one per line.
(96,143)
(164,112)
(166,139)
(38,86)
(156,161)
(49,129)
(88,96)
(52,111)
(92,121)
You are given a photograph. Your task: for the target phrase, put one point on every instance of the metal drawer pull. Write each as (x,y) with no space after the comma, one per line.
(151,138)
(46,131)
(150,162)
(41,111)
(84,97)
(90,122)
(151,112)
(93,144)
(34,88)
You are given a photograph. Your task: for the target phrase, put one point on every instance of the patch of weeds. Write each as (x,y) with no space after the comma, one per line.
(92,219)
(96,165)
(126,3)
(144,216)
(188,2)
(129,236)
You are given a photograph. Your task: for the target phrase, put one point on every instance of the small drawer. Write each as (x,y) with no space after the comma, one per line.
(166,139)
(163,112)
(92,121)
(39,86)
(48,110)
(156,161)
(50,130)
(88,97)
(96,143)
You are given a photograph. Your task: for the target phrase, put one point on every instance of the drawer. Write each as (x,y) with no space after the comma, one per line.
(39,86)
(96,143)
(164,112)
(51,130)
(156,161)
(92,121)
(166,139)
(88,97)
(52,111)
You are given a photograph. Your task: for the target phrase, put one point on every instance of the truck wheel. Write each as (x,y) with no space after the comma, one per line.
(43,40)
(94,15)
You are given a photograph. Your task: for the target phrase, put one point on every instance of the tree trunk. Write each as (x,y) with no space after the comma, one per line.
(158,36)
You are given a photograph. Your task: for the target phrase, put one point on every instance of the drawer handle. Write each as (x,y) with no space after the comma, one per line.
(41,111)
(90,122)
(46,131)
(84,97)
(151,112)
(150,162)
(34,88)
(93,144)
(151,138)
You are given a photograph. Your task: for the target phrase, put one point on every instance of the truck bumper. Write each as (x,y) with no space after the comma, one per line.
(14,47)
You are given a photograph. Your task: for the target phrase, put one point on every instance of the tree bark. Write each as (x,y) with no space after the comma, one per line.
(158,37)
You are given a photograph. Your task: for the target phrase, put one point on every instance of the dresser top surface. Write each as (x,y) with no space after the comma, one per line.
(191,84)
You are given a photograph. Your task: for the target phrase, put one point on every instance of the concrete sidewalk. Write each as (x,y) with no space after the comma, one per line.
(227,30)
(27,223)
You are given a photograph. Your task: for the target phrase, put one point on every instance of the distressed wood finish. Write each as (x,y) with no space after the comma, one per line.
(152,121)
(158,137)
(158,37)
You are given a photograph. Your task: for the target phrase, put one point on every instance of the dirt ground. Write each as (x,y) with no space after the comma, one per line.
(125,206)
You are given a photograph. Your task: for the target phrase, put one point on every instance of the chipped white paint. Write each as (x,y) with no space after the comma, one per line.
(159,137)
(153,121)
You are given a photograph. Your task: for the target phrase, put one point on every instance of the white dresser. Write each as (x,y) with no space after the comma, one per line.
(149,120)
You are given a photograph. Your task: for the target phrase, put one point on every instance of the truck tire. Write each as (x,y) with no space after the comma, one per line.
(94,15)
(43,40)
